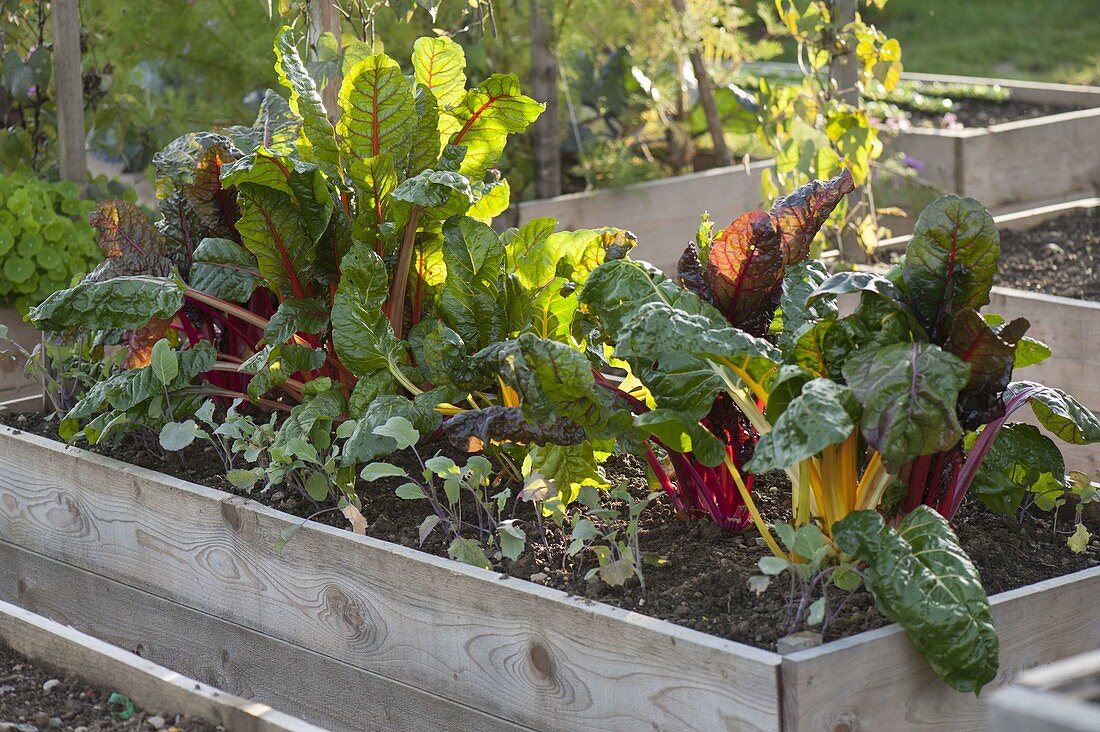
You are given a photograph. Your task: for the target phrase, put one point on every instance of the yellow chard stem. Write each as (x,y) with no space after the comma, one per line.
(757,519)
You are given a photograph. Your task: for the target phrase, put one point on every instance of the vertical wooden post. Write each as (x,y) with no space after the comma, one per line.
(324,17)
(843,66)
(544,88)
(706,90)
(69,88)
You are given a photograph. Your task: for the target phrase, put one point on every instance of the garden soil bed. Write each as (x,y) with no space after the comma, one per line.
(704,583)
(971,113)
(1057,257)
(70,704)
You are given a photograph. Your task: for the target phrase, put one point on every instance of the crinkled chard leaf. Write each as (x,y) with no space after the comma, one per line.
(682,433)
(908,392)
(825,413)
(568,467)
(1020,460)
(799,282)
(224,269)
(126,303)
(991,356)
(950,262)
(744,269)
(468,302)
(1059,412)
(843,283)
(123,229)
(361,332)
(273,229)
(317,135)
(923,580)
(799,216)
(471,431)
(443,193)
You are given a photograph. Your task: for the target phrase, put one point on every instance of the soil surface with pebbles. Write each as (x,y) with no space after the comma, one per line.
(34,699)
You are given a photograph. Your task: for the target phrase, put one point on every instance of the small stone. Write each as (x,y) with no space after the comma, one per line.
(56,723)
(51,685)
(28,727)
(540,578)
(156,722)
(799,641)
(81,728)
(5,688)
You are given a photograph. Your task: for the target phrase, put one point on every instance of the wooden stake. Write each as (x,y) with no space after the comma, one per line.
(69,87)
(324,17)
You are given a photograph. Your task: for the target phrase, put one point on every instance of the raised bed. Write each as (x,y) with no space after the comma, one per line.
(13,384)
(1008,167)
(351,632)
(148,685)
(1061,697)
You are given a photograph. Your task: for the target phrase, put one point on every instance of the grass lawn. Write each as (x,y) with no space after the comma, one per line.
(1051,40)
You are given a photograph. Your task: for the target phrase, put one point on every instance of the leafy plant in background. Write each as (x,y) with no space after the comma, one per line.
(820,125)
(607,529)
(44,240)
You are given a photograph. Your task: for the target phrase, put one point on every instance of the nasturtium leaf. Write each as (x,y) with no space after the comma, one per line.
(124,303)
(1059,412)
(799,216)
(744,268)
(361,333)
(316,133)
(950,262)
(1016,464)
(379,112)
(224,269)
(908,392)
(922,579)
(440,65)
(825,413)
(485,117)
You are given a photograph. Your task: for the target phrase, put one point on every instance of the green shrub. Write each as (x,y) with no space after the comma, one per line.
(44,238)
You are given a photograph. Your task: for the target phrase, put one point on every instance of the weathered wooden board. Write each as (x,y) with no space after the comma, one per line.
(664,214)
(13,384)
(149,685)
(515,650)
(876,680)
(1061,697)
(229,657)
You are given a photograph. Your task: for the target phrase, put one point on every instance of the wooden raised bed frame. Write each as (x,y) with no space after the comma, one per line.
(1061,697)
(351,632)
(1008,167)
(150,686)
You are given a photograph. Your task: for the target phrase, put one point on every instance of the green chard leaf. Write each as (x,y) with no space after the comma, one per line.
(1020,460)
(908,392)
(125,303)
(485,117)
(316,133)
(468,302)
(273,229)
(922,579)
(440,65)
(1059,412)
(950,262)
(379,112)
(361,332)
(825,413)
(224,269)
(799,281)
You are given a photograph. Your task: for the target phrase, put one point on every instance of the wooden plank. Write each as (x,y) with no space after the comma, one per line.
(149,685)
(69,90)
(664,214)
(1019,709)
(229,657)
(1021,160)
(876,680)
(513,649)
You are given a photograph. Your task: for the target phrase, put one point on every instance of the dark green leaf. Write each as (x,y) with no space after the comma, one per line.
(825,413)
(1021,459)
(1059,412)
(126,303)
(224,269)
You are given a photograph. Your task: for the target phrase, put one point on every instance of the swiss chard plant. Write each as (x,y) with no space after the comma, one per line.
(321,269)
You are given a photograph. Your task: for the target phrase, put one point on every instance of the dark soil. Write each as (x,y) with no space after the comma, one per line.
(983,112)
(71,705)
(703,584)
(1058,257)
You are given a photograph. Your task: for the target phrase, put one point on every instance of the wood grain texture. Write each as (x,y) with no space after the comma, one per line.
(876,680)
(149,685)
(663,214)
(515,650)
(69,90)
(229,657)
